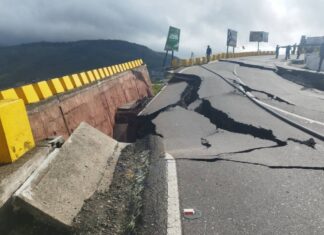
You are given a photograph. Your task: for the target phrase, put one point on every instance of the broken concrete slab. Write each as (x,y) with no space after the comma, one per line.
(12,176)
(56,192)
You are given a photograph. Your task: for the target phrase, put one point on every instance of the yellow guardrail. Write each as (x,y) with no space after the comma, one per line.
(33,93)
(176,63)
(16,137)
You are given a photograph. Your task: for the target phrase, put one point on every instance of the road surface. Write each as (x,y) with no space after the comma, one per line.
(244,169)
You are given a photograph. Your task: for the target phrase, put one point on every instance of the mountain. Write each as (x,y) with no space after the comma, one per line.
(32,62)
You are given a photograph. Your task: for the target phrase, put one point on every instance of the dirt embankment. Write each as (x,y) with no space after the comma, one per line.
(132,205)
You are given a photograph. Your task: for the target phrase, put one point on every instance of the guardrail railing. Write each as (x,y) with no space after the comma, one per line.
(176,63)
(35,92)
(16,137)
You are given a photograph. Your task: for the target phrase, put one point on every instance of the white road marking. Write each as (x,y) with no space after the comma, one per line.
(273,107)
(160,92)
(184,69)
(174,221)
(174,218)
(151,101)
(291,114)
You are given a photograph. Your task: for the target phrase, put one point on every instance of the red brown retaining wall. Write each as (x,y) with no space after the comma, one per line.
(95,104)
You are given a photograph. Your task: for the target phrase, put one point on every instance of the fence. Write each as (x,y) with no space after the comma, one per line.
(176,63)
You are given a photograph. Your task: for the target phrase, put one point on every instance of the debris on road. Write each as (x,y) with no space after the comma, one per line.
(205,143)
(191,214)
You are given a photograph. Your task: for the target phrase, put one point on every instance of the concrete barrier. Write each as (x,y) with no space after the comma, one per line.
(56,191)
(70,105)
(43,90)
(28,94)
(95,104)
(76,80)
(9,94)
(56,86)
(12,176)
(66,83)
(176,63)
(15,133)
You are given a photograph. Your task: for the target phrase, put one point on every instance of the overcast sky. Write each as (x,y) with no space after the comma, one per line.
(202,22)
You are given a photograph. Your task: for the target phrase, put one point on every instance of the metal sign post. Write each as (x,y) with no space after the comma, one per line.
(231,40)
(172,43)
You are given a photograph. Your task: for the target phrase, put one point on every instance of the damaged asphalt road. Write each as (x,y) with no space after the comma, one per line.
(271,96)
(245,170)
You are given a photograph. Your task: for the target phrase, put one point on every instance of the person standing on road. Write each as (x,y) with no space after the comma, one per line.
(294,49)
(288,48)
(298,51)
(321,57)
(277,51)
(208,53)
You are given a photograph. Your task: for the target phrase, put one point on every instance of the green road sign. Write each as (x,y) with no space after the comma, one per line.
(172,43)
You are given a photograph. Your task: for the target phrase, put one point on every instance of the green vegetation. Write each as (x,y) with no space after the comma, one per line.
(33,62)
(157,88)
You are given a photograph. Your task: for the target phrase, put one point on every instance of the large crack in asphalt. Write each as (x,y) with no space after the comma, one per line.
(219,159)
(269,95)
(220,119)
(188,96)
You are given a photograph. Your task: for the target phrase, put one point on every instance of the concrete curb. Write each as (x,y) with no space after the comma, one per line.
(56,191)
(279,69)
(15,175)
(299,71)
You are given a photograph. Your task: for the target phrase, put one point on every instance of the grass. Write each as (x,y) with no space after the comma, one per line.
(157,88)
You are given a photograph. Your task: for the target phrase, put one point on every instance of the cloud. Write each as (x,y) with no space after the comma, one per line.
(146,22)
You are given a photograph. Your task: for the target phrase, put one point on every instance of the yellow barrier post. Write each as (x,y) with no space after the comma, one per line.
(28,94)
(90,76)
(175,63)
(16,137)
(76,80)
(66,83)
(55,85)
(101,73)
(106,72)
(84,79)
(130,65)
(42,89)
(9,94)
(117,69)
(96,74)
(111,72)
(114,69)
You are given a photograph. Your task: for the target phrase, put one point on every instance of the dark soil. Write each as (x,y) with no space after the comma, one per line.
(134,203)
(118,210)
